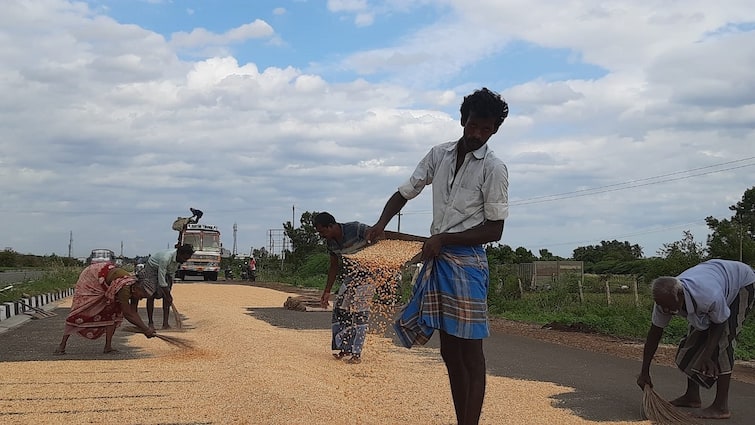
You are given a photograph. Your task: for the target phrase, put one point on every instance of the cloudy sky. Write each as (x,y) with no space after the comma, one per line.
(629,120)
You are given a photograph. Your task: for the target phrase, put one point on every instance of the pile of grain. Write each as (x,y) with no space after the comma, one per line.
(245,371)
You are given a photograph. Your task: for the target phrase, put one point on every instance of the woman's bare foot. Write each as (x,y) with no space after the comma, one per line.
(711,413)
(59,351)
(166,326)
(685,401)
(109,350)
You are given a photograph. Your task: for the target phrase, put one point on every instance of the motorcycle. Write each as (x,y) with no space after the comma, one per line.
(228,273)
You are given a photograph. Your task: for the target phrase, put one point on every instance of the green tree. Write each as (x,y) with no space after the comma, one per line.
(734,238)
(546,255)
(304,239)
(683,254)
(523,256)
(608,251)
(8,258)
(500,254)
(503,254)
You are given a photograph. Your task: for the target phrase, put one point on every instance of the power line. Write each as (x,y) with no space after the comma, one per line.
(599,190)
(560,195)
(643,232)
(631,184)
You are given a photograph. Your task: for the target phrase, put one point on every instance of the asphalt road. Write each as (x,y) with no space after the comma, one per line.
(604,386)
(10,277)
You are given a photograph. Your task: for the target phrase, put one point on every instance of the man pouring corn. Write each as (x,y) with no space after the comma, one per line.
(714,297)
(470,204)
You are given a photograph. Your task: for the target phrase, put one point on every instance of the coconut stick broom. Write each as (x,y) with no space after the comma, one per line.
(172,340)
(177,316)
(661,412)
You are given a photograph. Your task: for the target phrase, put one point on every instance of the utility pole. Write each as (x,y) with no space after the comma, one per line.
(293,216)
(235,228)
(70,244)
(741,236)
(399,222)
(121,249)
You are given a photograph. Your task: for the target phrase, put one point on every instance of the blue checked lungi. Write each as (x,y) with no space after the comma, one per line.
(451,295)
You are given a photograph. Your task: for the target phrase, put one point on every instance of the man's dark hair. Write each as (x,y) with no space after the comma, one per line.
(485,104)
(186,249)
(324,219)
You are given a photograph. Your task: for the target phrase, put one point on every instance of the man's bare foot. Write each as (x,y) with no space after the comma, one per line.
(711,413)
(151,326)
(684,401)
(110,350)
(59,351)
(166,326)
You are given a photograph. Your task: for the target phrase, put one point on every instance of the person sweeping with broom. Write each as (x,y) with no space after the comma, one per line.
(158,274)
(714,297)
(101,299)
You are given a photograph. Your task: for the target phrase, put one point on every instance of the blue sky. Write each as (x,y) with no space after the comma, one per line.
(628,121)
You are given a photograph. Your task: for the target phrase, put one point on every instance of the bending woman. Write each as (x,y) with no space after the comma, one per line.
(101,299)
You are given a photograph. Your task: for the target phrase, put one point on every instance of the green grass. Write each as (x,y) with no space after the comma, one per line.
(622,319)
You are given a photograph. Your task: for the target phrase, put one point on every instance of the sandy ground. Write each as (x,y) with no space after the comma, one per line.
(244,371)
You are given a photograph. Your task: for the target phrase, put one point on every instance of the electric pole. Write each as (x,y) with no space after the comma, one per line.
(235,228)
(70,244)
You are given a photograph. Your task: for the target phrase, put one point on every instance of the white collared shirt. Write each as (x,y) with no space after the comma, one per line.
(460,202)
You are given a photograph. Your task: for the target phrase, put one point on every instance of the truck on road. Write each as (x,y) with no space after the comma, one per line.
(205,238)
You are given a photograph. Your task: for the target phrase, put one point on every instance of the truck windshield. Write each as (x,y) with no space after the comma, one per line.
(211,242)
(203,241)
(194,240)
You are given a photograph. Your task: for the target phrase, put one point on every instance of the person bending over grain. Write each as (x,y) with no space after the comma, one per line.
(351,309)
(101,299)
(714,297)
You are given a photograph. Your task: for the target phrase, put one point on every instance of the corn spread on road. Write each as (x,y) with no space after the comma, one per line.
(243,370)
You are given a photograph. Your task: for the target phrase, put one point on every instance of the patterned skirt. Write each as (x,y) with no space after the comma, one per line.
(451,295)
(691,347)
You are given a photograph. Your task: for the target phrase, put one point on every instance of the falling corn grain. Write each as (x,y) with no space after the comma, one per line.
(380,266)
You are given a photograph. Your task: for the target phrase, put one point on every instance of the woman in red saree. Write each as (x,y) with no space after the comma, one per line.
(101,299)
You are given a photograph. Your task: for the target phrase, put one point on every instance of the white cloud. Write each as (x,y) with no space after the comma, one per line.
(200,37)
(347,5)
(110,132)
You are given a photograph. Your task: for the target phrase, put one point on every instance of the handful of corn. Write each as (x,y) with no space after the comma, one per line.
(385,254)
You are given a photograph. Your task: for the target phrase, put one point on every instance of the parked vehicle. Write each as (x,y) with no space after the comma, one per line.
(228,273)
(244,270)
(101,255)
